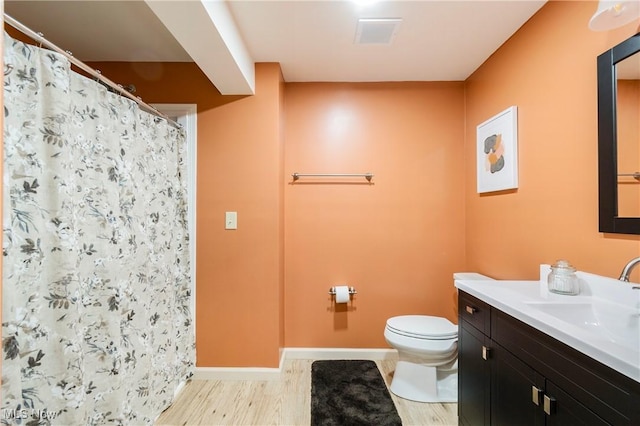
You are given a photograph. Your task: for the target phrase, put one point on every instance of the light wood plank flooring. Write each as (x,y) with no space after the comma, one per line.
(285,401)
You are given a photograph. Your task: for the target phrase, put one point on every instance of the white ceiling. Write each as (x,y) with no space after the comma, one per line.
(312,40)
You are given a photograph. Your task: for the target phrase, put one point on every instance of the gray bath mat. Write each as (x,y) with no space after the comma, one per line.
(350,392)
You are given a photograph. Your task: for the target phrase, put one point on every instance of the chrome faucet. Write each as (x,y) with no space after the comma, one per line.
(626,271)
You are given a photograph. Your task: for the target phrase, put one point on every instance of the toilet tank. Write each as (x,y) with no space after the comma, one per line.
(470,276)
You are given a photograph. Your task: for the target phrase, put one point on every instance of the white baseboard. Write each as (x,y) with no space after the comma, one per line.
(262,373)
(236,373)
(339,353)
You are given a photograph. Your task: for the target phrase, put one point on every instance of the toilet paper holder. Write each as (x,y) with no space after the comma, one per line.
(352,290)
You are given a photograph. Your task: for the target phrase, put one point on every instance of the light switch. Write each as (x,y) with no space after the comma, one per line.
(231,220)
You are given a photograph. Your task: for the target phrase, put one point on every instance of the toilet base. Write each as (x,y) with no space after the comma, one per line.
(422,383)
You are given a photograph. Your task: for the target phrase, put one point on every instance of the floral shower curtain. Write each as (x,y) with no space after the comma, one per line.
(96,321)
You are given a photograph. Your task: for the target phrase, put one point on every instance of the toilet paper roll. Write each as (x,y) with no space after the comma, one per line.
(342,294)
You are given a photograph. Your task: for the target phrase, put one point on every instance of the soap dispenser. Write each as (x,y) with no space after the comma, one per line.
(562,279)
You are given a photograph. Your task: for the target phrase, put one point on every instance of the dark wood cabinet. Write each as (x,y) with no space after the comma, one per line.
(510,373)
(568,411)
(512,385)
(474,387)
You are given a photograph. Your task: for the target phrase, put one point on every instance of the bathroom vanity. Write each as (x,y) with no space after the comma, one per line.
(530,357)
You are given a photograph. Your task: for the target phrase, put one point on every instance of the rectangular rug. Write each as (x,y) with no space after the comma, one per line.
(350,392)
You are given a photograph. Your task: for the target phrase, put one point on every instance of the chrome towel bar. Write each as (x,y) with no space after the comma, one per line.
(367,176)
(635,175)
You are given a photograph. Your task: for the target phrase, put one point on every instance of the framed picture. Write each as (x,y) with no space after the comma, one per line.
(497,152)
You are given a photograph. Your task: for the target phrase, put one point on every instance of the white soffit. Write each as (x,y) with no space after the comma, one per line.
(203,27)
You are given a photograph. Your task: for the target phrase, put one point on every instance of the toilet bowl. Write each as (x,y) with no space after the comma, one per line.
(427,368)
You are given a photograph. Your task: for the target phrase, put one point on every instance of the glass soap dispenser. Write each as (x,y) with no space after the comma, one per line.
(562,279)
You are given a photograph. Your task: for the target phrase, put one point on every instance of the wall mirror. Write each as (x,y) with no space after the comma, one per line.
(619,138)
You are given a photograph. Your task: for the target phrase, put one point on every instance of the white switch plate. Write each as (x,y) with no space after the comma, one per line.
(231,220)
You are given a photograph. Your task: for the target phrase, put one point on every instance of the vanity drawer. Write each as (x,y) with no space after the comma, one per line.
(475,312)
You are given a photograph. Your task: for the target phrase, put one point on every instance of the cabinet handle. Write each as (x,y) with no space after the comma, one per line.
(549,405)
(536,393)
(471,310)
(486,352)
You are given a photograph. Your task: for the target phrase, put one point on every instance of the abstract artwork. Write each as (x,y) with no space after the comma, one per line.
(497,152)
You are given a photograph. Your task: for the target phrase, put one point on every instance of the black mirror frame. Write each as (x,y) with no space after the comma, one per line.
(607,140)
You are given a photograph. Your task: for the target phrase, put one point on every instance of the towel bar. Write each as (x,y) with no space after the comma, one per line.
(367,176)
(635,175)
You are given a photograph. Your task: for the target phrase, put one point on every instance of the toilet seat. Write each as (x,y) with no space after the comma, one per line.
(433,338)
(423,327)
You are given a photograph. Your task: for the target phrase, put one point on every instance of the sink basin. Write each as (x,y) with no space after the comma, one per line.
(580,314)
(615,323)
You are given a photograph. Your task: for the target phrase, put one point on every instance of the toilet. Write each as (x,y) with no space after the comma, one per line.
(427,369)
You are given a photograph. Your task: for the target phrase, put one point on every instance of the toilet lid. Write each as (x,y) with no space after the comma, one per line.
(423,326)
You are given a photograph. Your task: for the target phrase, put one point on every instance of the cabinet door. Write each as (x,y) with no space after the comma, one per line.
(473,378)
(565,410)
(514,396)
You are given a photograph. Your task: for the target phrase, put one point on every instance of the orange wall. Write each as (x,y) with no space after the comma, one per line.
(397,240)
(547,69)
(240,271)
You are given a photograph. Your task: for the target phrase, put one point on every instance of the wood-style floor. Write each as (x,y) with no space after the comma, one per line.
(285,401)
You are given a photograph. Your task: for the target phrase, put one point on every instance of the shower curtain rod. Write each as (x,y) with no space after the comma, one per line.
(39,37)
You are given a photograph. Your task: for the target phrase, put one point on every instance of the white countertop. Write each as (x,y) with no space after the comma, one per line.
(602,322)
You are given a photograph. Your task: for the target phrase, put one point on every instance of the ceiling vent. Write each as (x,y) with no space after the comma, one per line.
(377,30)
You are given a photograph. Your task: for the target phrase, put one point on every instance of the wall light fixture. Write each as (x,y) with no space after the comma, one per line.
(614,14)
